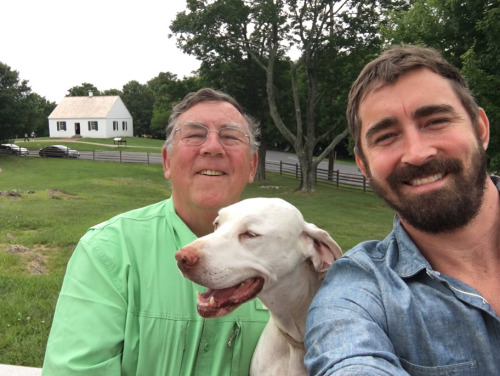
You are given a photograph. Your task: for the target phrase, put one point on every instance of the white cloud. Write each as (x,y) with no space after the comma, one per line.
(58,44)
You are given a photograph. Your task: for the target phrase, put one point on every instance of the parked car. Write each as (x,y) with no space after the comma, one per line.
(58,151)
(13,149)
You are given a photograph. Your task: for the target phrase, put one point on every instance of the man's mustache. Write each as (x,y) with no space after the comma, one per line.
(406,173)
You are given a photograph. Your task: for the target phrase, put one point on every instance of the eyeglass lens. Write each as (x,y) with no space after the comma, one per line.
(196,134)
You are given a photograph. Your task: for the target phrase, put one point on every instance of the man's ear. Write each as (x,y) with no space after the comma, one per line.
(360,163)
(253,166)
(484,128)
(166,163)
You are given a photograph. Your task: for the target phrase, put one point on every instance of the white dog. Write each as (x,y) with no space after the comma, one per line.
(262,247)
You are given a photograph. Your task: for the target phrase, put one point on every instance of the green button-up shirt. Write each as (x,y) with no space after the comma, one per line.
(125,309)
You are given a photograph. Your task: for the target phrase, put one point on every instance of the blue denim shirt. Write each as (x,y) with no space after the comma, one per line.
(382,310)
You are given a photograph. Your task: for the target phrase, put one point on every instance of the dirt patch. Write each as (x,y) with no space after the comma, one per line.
(60,194)
(36,261)
(15,194)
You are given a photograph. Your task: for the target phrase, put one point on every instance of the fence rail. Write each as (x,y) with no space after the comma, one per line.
(336,178)
(323,176)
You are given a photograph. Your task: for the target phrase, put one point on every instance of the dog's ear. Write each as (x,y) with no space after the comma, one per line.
(322,250)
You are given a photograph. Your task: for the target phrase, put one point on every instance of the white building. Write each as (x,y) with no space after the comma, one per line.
(92,117)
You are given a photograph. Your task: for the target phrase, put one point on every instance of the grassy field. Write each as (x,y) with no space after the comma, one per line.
(60,199)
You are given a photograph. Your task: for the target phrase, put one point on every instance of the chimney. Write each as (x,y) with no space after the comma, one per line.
(90,93)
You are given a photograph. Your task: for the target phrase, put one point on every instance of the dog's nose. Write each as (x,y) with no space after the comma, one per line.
(186,256)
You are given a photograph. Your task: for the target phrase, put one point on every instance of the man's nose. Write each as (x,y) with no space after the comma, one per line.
(418,148)
(212,144)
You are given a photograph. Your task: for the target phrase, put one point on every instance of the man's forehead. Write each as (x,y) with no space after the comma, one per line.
(218,112)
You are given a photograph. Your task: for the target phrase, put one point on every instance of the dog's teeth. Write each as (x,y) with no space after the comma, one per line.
(198,294)
(242,285)
(212,301)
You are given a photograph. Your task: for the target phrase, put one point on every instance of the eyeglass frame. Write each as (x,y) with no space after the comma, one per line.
(226,126)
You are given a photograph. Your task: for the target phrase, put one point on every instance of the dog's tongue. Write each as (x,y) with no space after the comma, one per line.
(215,303)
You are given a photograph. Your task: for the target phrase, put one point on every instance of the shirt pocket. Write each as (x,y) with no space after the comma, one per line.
(459,369)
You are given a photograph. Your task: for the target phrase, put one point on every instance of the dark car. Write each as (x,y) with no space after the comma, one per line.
(13,149)
(58,151)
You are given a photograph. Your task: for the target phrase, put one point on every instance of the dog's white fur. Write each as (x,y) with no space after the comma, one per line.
(265,238)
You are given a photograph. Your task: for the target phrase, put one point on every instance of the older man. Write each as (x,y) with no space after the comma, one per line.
(124,308)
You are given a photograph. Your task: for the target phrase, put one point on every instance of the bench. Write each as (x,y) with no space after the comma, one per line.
(119,141)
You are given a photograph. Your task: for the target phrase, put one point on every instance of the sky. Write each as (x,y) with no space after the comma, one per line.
(58,44)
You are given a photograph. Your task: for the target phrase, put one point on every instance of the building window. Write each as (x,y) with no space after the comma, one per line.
(61,125)
(93,126)
(115,125)
(124,125)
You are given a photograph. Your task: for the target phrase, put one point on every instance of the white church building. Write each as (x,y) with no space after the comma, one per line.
(92,116)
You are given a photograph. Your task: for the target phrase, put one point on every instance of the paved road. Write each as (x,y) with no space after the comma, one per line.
(277,156)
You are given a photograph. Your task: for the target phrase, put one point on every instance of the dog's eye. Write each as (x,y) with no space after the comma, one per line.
(249,234)
(216,224)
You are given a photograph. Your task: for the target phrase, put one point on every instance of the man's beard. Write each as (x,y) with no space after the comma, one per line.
(445,209)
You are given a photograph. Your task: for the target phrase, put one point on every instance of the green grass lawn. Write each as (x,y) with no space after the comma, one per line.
(60,199)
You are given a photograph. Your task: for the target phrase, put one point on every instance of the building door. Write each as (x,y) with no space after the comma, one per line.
(77,128)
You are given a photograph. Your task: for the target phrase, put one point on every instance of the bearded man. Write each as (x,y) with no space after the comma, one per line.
(424,301)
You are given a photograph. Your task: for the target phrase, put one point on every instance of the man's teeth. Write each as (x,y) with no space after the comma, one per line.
(211,172)
(426,180)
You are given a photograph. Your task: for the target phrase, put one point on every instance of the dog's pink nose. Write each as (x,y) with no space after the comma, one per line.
(186,256)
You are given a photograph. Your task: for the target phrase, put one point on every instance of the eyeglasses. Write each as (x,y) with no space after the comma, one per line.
(196,134)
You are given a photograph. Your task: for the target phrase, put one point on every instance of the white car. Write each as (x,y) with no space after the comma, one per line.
(13,149)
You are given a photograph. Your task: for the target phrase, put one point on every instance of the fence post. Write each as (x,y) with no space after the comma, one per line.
(148,156)
(296,170)
(281,167)
(120,156)
(93,155)
(364,184)
(338,178)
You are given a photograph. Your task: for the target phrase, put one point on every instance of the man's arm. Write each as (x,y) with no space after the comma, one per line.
(347,326)
(87,332)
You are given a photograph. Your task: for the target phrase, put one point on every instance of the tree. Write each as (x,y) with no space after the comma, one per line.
(83,90)
(266,31)
(12,103)
(466,32)
(112,92)
(139,101)
(37,111)
(168,90)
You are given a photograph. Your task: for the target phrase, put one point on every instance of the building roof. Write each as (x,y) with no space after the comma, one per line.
(85,107)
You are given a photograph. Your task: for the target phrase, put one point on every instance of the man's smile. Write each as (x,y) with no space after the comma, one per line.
(425,180)
(211,172)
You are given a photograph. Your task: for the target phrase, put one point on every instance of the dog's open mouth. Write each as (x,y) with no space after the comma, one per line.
(215,303)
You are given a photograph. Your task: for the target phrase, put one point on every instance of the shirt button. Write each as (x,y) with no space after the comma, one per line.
(206,346)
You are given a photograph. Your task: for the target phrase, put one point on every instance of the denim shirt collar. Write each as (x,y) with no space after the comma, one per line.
(411,261)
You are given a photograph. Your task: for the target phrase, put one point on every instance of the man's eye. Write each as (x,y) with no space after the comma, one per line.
(195,135)
(437,122)
(384,138)
(226,136)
